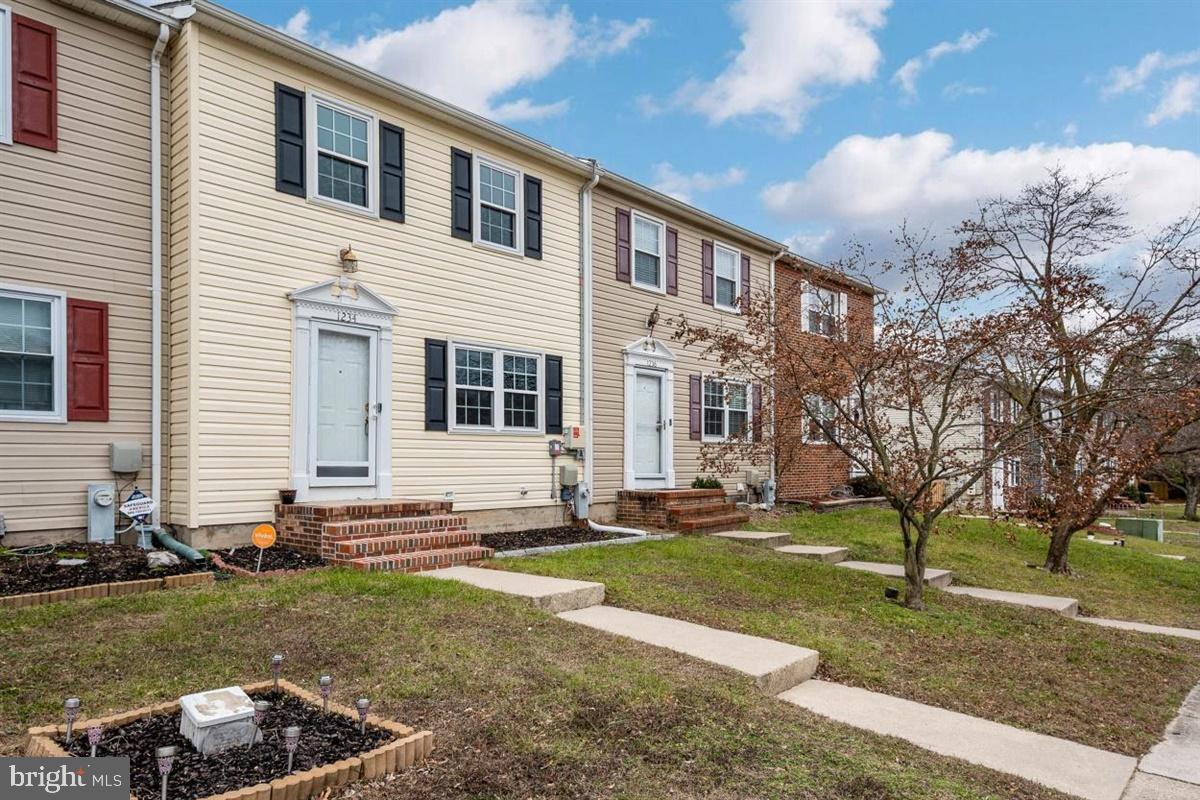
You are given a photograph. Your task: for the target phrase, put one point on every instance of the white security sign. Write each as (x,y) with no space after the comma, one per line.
(138,507)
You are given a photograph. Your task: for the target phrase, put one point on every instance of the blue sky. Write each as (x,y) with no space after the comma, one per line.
(791,118)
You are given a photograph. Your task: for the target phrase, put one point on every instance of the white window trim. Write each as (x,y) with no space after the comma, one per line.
(371,209)
(811,298)
(661,288)
(6,77)
(806,436)
(58,351)
(736,308)
(1012,472)
(477,204)
(707,437)
(497,425)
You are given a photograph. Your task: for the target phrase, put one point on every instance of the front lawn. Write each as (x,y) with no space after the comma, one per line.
(523,705)
(1102,687)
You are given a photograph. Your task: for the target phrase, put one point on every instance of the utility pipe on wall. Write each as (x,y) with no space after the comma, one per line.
(164,33)
(585,332)
(769,502)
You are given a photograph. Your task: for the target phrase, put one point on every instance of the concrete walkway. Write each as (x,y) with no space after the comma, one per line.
(775,666)
(1060,764)
(548,594)
(759,538)
(1067,606)
(830,555)
(1178,755)
(1142,627)
(940,578)
(1152,787)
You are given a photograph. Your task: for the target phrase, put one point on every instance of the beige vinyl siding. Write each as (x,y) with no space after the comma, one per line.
(621,311)
(251,245)
(77,221)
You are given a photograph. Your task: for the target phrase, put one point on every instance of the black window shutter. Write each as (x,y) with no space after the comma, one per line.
(391,172)
(460,194)
(533,217)
(435,385)
(554,394)
(289,140)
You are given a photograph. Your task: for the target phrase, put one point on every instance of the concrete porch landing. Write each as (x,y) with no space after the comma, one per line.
(759,538)
(775,666)
(939,578)
(829,555)
(547,594)
(1066,606)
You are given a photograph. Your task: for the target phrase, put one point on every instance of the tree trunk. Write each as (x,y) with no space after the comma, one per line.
(914,570)
(1056,556)
(1191,491)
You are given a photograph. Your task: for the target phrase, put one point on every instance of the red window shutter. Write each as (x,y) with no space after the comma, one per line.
(624,254)
(745,282)
(706,272)
(87,361)
(694,408)
(672,261)
(35,83)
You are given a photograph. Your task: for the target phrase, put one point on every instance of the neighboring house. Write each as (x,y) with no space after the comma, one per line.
(75,255)
(829,304)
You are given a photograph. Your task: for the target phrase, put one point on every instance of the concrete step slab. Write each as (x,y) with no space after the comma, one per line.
(548,594)
(1067,766)
(1177,756)
(1170,556)
(1143,627)
(830,555)
(775,666)
(758,538)
(1154,787)
(1067,606)
(940,578)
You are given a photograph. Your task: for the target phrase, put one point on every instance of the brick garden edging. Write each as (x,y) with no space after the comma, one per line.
(242,572)
(402,752)
(119,589)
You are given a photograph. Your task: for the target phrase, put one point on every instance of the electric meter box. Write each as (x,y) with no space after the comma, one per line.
(568,475)
(126,457)
(101,523)
(574,437)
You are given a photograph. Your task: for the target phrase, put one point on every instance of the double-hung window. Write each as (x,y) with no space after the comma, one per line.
(726,409)
(6,77)
(32,360)
(498,204)
(727,277)
(822,312)
(342,167)
(1013,471)
(819,410)
(497,389)
(649,252)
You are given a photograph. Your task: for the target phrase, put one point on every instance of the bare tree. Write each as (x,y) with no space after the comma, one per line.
(1179,458)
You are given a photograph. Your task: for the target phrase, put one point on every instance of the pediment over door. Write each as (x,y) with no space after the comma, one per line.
(649,348)
(335,295)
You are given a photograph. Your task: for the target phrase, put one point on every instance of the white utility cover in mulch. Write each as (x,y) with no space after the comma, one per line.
(759,538)
(1060,764)
(940,578)
(1142,627)
(775,666)
(548,594)
(1067,606)
(830,555)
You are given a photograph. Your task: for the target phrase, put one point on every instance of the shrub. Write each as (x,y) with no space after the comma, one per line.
(866,486)
(705,482)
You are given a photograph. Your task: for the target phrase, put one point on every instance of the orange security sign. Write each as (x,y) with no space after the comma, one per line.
(263,536)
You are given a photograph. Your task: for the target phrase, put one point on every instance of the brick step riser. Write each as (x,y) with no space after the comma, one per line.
(349,531)
(415,543)
(420,562)
(714,523)
(691,512)
(368,512)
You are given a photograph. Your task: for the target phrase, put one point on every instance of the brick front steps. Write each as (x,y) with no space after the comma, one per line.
(685,510)
(381,535)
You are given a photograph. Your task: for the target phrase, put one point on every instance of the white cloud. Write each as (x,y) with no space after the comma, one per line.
(790,51)
(908,73)
(1070,131)
(475,55)
(1127,79)
(1180,97)
(953,91)
(681,186)
(865,187)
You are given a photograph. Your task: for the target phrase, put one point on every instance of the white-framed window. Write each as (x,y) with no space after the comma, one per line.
(5,74)
(343,166)
(1012,471)
(822,311)
(33,364)
(727,278)
(997,406)
(725,409)
(496,389)
(818,409)
(649,252)
(498,203)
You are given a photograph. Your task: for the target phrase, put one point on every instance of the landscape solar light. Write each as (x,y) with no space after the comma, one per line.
(165,756)
(276,668)
(71,710)
(260,712)
(94,732)
(363,705)
(326,684)
(291,739)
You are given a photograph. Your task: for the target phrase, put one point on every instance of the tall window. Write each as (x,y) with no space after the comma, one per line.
(5,75)
(819,409)
(1013,469)
(726,409)
(343,162)
(480,403)
(649,252)
(727,274)
(31,358)
(823,311)
(498,204)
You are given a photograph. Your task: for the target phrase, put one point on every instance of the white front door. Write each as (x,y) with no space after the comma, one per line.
(648,427)
(347,407)
(998,486)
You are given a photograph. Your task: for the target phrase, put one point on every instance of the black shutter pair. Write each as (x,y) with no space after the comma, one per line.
(290,167)
(462,185)
(437,370)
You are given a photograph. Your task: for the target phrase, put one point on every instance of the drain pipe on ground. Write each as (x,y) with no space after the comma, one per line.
(596,526)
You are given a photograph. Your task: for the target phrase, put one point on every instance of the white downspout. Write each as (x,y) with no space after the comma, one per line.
(769,501)
(164,33)
(585,344)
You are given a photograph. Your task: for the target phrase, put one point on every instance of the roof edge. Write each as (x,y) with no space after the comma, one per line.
(797,261)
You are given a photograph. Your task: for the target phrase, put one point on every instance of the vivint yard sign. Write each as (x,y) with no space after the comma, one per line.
(68,779)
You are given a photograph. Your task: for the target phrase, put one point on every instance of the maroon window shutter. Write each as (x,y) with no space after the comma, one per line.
(694,409)
(87,361)
(624,256)
(756,404)
(706,272)
(35,83)
(672,261)
(745,282)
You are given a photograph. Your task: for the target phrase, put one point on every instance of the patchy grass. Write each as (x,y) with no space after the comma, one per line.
(1107,688)
(524,705)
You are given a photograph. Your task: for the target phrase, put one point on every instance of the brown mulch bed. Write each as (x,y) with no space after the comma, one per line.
(106,563)
(324,739)
(544,537)
(273,559)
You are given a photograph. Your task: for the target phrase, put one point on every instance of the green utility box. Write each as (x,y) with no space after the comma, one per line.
(1141,528)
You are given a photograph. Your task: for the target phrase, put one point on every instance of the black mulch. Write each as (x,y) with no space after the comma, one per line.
(544,537)
(106,563)
(324,738)
(275,557)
